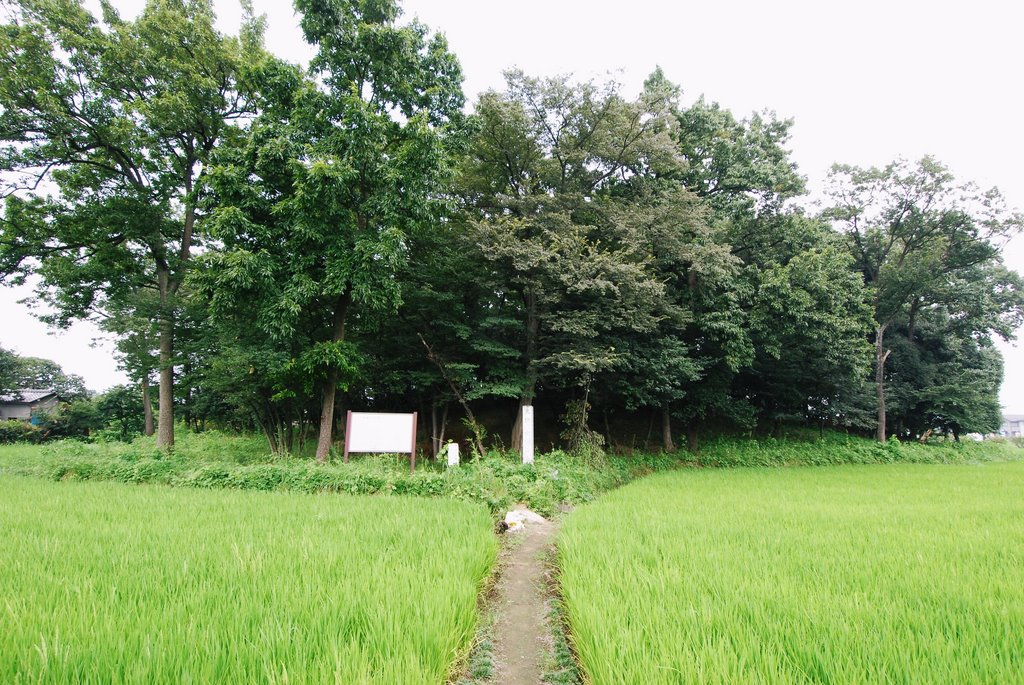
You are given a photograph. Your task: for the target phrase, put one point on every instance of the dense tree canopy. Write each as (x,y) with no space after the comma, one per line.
(276,244)
(106,126)
(928,248)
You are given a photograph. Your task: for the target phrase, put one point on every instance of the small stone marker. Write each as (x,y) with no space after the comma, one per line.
(453,454)
(528,435)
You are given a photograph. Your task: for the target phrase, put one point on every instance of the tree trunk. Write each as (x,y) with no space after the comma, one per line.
(666,429)
(323,445)
(165,420)
(439,363)
(147,407)
(912,319)
(881,354)
(439,425)
(692,443)
(267,426)
(444,427)
(186,405)
(168,286)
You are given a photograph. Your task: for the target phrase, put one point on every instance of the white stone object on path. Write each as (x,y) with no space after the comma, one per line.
(453,454)
(528,435)
(517,519)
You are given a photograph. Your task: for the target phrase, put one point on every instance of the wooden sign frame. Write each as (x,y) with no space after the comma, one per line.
(412,442)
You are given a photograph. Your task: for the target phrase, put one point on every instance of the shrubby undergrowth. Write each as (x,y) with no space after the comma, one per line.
(836,448)
(217,460)
(13,430)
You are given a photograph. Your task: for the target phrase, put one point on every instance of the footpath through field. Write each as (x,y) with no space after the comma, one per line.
(521,637)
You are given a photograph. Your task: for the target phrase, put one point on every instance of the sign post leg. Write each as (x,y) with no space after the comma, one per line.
(348,432)
(412,462)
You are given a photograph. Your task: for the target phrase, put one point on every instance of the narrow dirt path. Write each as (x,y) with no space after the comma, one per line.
(522,640)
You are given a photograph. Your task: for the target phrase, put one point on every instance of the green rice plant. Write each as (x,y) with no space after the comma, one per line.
(106,583)
(853,574)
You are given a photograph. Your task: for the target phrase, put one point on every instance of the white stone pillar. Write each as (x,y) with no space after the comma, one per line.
(453,454)
(528,435)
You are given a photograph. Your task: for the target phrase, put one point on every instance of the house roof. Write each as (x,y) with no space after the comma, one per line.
(26,395)
(1007,418)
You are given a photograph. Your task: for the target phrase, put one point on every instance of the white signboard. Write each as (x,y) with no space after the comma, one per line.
(382,433)
(528,435)
(453,454)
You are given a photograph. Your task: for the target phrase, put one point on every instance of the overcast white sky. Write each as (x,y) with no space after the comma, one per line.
(866,82)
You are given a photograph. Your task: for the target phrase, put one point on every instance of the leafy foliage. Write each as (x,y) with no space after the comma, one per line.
(289,243)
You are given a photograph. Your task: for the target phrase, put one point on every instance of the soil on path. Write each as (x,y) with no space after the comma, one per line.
(522,639)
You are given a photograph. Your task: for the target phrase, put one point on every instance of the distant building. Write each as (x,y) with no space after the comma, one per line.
(1013,426)
(26,404)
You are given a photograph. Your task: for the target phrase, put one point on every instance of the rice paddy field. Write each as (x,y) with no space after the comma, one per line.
(111,583)
(847,574)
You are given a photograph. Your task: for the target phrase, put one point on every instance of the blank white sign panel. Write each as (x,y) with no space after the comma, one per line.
(373,432)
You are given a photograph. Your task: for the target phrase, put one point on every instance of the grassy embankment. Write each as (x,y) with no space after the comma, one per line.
(216,460)
(899,573)
(104,583)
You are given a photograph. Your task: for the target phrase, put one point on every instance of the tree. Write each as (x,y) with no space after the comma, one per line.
(809,322)
(107,126)
(35,372)
(8,371)
(673,369)
(137,342)
(316,208)
(120,409)
(566,262)
(917,237)
(740,166)
(743,173)
(942,382)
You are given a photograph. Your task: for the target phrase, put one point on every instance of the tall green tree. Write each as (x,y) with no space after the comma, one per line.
(809,321)
(699,328)
(317,207)
(8,371)
(742,171)
(119,409)
(106,127)
(44,374)
(134,327)
(741,166)
(919,239)
(566,262)
(946,380)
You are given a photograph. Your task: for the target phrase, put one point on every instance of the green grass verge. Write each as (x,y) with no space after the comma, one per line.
(854,574)
(836,448)
(106,584)
(219,461)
